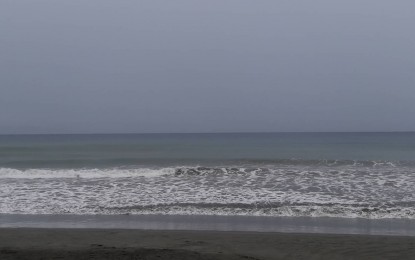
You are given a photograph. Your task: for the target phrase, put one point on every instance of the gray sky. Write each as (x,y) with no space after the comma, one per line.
(76,66)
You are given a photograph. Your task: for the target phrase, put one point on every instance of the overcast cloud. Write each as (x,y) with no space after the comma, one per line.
(99,66)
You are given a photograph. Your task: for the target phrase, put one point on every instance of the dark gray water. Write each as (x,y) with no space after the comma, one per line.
(347,175)
(101,151)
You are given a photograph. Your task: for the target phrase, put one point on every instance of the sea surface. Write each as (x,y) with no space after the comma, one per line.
(342,175)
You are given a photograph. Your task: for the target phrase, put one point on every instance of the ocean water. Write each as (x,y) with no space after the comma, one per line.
(344,175)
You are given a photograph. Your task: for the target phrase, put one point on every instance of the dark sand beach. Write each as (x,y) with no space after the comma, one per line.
(27,243)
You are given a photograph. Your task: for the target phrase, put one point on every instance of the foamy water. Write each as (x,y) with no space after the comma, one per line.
(378,191)
(346,175)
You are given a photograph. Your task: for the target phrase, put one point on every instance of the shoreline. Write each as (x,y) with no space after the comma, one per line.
(323,225)
(35,243)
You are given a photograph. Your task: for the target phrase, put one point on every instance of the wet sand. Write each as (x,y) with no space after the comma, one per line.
(26,243)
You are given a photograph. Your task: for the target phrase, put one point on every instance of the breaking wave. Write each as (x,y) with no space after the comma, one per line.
(324,189)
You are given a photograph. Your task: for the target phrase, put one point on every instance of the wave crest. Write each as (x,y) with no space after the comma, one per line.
(9,173)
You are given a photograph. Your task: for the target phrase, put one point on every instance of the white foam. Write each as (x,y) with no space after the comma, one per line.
(286,191)
(9,173)
(284,211)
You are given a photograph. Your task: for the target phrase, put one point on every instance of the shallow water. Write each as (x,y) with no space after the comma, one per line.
(395,227)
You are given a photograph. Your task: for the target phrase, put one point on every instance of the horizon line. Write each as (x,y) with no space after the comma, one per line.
(242,132)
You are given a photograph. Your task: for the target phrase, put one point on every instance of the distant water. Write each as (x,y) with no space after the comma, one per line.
(347,175)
